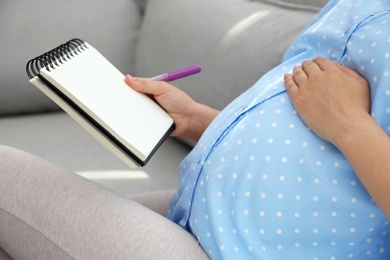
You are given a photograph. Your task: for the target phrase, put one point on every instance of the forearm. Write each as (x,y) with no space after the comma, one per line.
(367,147)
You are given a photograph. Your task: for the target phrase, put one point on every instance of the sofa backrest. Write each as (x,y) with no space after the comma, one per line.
(235,42)
(30,28)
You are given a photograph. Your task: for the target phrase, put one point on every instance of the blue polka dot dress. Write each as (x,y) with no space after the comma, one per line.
(261,185)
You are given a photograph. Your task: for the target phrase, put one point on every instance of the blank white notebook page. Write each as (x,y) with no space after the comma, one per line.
(90,79)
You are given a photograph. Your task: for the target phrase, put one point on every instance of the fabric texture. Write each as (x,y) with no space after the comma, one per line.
(49,213)
(261,185)
(30,28)
(157,201)
(234,49)
(4,255)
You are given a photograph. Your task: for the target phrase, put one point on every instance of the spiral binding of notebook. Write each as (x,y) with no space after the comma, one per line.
(54,58)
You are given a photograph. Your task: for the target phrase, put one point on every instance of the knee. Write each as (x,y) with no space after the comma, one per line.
(17,166)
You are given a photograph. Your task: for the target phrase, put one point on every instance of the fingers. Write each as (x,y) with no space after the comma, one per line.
(348,71)
(317,65)
(310,67)
(299,75)
(306,70)
(351,73)
(291,86)
(324,64)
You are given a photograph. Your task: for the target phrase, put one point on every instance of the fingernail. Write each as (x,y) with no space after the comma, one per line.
(130,78)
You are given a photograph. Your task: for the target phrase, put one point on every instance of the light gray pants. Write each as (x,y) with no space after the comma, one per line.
(50,213)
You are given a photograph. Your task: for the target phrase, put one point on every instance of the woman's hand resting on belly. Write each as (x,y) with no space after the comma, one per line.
(334,101)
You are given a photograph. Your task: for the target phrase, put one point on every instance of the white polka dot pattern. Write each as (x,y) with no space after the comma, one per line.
(261,185)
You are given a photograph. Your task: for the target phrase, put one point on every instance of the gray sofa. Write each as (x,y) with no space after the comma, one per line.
(235,42)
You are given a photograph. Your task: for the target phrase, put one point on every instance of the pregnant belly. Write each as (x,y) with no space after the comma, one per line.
(272,185)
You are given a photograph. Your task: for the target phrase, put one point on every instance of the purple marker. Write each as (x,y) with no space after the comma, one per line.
(181,73)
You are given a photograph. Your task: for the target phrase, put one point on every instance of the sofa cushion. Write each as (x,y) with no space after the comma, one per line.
(57,138)
(235,42)
(30,28)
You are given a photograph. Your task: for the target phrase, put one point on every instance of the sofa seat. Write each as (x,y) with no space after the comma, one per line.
(43,134)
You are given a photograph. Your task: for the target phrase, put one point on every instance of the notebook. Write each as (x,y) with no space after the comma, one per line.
(93,92)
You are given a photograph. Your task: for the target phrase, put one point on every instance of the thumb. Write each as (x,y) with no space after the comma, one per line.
(146,86)
(349,71)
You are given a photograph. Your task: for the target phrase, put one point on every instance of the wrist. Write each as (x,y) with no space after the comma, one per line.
(200,119)
(352,131)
